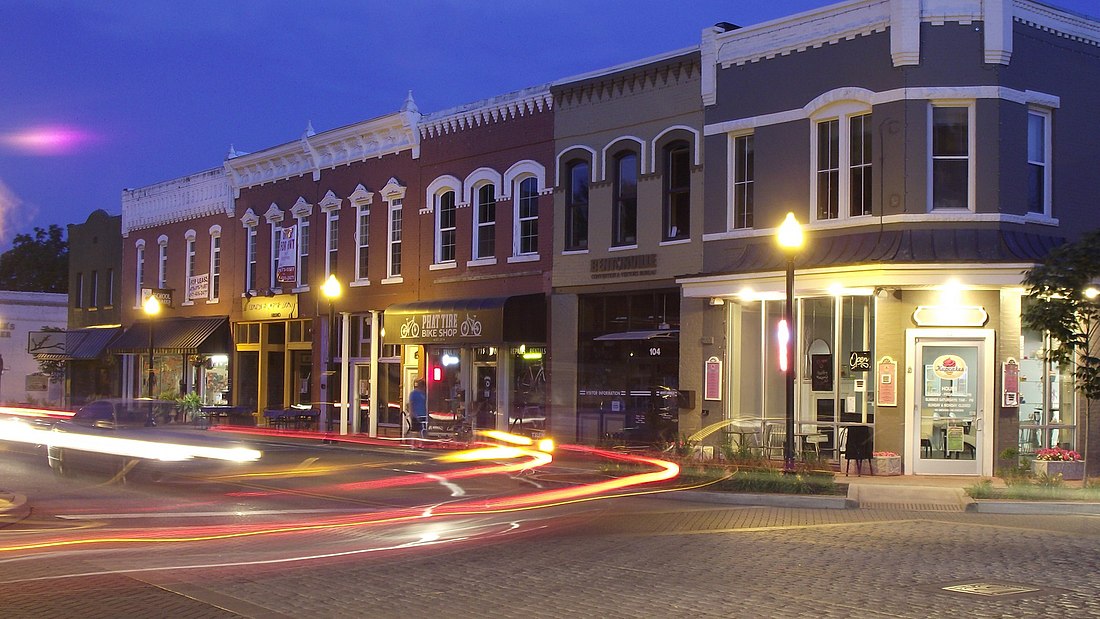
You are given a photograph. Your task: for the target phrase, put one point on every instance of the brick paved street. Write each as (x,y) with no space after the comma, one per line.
(646,558)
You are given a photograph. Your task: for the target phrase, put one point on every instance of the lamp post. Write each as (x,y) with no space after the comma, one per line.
(152,308)
(790,240)
(331,290)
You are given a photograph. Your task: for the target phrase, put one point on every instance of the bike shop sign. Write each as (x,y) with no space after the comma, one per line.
(441,326)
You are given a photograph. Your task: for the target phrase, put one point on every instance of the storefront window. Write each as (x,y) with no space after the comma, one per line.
(628,369)
(529,396)
(832,376)
(1048,412)
(446,393)
(216,381)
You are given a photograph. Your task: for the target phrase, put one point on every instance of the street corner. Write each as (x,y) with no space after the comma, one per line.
(13,508)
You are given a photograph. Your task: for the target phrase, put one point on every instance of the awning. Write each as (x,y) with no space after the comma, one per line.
(176,336)
(494,320)
(83,344)
(665,334)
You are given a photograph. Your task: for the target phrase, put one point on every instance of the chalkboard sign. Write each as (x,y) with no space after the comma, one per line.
(821,372)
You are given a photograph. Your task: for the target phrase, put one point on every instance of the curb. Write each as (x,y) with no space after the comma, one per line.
(1035,508)
(764,500)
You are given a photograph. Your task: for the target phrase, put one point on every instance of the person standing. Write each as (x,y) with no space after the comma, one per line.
(418,407)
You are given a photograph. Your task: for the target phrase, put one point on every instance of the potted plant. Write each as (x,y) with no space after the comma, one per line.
(885,463)
(1057,461)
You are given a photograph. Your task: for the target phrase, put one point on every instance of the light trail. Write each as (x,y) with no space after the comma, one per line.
(537,500)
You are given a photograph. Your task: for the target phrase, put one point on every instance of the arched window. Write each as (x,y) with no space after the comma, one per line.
(677,190)
(576,206)
(485,219)
(527,217)
(624,214)
(446,224)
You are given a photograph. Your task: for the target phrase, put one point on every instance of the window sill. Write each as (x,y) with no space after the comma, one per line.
(212,301)
(186,303)
(300,289)
(574,252)
(482,262)
(524,258)
(442,266)
(358,283)
(675,242)
(393,280)
(623,247)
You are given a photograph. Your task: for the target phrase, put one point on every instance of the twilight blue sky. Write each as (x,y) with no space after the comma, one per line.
(97,96)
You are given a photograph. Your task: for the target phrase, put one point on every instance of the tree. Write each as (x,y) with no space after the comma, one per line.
(38,263)
(1066,306)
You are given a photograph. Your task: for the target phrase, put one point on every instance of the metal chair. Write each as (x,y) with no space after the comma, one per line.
(814,441)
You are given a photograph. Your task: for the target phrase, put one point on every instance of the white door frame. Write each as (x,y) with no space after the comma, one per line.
(986,405)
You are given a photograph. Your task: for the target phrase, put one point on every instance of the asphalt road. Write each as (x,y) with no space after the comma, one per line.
(638,556)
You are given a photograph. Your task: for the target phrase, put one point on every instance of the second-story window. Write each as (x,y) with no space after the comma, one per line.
(485,222)
(677,190)
(162,263)
(1038,163)
(828,169)
(951,148)
(215,266)
(139,272)
(527,217)
(624,213)
(251,256)
(446,223)
(93,289)
(395,239)
(190,265)
(276,236)
(110,287)
(744,176)
(78,294)
(362,241)
(303,252)
(576,206)
(332,241)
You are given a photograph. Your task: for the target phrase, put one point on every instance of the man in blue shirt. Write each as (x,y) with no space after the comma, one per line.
(418,407)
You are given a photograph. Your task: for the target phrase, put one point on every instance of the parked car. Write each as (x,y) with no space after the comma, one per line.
(131,437)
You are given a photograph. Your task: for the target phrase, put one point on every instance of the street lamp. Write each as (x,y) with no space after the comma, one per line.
(790,240)
(152,308)
(331,290)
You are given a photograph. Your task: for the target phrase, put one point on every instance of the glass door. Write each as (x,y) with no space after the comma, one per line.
(952,402)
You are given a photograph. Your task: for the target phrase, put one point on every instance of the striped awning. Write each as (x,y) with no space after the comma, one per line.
(83,344)
(180,336)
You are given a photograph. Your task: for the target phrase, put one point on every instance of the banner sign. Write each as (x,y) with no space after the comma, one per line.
(280,306)
(444,326)
(887,382)
(288,255)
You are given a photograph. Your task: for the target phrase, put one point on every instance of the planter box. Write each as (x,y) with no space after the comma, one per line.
(886,466)
(1069,470)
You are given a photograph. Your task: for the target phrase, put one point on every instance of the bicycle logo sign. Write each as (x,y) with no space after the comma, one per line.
(441,325)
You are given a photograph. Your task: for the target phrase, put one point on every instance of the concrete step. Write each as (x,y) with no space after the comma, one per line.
(910,497)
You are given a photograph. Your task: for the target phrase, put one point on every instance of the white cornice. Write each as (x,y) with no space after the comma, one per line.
(1062,23)
(180,199)
(903,18)
(386,135)
(497,109)
(330,202)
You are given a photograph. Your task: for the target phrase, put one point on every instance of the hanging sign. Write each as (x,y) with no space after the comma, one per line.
(712,389)
(887,382)
(288,256)
(1010,383)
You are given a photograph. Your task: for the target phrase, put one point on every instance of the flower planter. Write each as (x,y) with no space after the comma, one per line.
(1070,470)
(886,466)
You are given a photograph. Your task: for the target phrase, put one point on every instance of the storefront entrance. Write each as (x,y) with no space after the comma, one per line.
(950,396)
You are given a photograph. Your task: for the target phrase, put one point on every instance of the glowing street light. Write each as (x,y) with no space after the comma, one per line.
(152,308)
(790,239)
